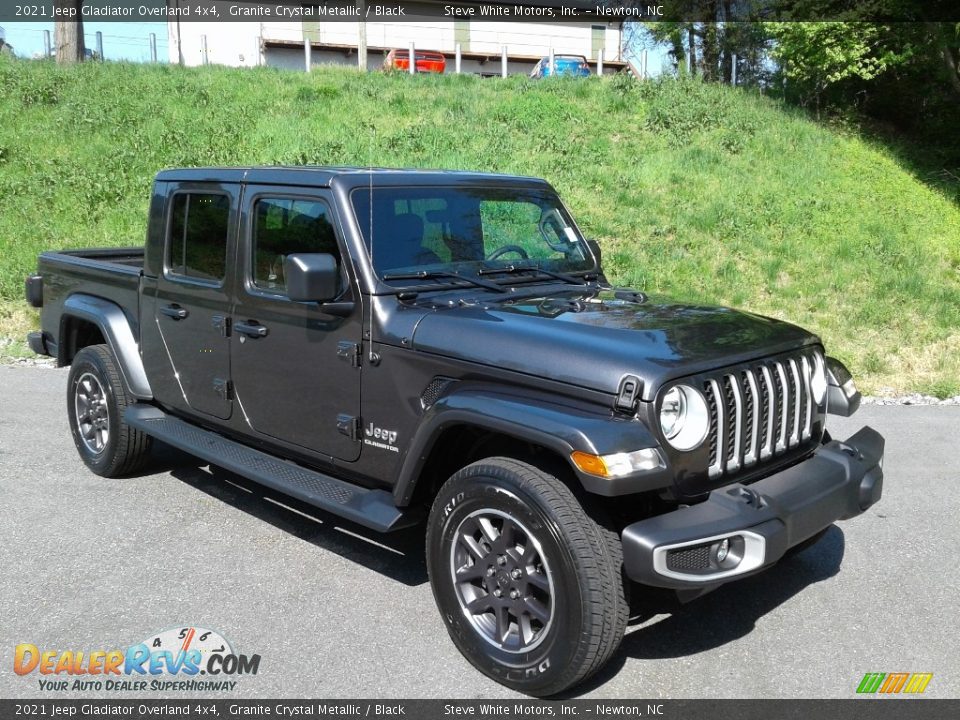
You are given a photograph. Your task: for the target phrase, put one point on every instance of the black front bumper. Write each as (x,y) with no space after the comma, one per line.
(761,521)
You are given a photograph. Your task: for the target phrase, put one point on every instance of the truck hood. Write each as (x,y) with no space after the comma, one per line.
(593,340)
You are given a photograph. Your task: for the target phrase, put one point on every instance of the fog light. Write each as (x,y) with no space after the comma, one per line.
(723,550)
(727,553)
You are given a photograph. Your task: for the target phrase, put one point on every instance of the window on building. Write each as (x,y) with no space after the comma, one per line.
(461,34)
(598,38)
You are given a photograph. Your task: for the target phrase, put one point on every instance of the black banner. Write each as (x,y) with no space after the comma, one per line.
(610,11)
(856,709)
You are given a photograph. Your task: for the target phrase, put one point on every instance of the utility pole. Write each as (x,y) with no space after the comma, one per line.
(68,34)
(362,35)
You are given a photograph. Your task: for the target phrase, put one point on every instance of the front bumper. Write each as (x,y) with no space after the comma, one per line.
(682,549)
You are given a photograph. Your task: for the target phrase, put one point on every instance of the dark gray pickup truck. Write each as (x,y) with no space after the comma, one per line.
(395,346)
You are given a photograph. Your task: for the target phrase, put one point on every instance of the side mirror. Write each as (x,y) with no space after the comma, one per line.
(312,277)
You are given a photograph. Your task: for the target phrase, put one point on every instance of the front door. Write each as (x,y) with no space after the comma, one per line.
(295,368)
(193,297)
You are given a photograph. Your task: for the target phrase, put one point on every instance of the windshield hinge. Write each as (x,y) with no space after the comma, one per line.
(628,396)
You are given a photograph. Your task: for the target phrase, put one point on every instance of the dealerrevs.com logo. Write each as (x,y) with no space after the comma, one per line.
(894,683)
(184,653)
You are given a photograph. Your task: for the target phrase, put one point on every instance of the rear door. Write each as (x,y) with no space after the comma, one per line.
(295,368)
(194,294)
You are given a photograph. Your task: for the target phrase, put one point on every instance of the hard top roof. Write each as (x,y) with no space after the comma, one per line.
(318,175)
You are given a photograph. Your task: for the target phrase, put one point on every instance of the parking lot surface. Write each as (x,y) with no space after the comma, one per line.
(335,611)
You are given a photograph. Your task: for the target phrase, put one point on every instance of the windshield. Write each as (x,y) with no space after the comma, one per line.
(430,231)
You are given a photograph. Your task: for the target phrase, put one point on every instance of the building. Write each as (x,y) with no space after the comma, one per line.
(481,39)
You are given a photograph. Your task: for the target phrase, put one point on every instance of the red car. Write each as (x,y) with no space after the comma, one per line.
(427,61)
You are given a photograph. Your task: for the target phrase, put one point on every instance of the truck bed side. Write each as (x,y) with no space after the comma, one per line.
(111,274)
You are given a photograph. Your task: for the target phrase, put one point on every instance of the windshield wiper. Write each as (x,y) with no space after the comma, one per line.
(513,269)
(444,274)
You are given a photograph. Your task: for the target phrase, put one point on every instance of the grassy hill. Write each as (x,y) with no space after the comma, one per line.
(702,192)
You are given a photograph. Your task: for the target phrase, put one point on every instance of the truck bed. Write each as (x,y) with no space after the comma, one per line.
(104,258)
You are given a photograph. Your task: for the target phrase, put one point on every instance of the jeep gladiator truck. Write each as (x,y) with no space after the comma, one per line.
(394,345)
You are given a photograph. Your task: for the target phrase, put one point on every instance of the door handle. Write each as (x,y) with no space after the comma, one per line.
(253,330)
(174,311)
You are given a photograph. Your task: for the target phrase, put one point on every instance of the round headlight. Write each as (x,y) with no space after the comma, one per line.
(672,410)
(818,382)
(684,417)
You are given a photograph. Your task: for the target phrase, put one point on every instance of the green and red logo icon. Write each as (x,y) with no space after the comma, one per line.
(894,683)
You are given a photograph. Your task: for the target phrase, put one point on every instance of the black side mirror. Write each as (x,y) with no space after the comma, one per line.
(312,277)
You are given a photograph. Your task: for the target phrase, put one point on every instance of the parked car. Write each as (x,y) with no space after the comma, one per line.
(428,61)
(563,65)
(566,442)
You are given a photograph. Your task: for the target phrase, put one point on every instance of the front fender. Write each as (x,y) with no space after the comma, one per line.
(113,324)
(539,419)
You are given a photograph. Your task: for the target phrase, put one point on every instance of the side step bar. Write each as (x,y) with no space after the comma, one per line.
(371,508)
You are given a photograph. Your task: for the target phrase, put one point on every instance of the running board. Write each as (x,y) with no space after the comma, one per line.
(374,509)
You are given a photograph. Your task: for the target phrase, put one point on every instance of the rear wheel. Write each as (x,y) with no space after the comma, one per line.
(528,583)
(96,399)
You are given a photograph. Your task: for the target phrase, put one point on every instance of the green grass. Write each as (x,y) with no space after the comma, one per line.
(701,192)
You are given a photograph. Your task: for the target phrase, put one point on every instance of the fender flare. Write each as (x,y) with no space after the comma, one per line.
(116,330)
(539,419)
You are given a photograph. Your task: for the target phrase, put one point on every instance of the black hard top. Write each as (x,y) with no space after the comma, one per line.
(317,175)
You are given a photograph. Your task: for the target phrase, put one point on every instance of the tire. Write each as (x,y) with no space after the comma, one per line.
(96,399)
(562,609)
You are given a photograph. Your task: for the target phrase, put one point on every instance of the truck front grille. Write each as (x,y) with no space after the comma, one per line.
(759,411)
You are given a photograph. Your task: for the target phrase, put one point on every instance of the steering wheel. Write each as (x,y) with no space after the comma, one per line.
(508,249)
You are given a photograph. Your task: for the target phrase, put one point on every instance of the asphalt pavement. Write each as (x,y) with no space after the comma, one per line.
(335,611)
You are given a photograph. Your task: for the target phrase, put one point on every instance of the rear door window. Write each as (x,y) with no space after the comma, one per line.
(197,241)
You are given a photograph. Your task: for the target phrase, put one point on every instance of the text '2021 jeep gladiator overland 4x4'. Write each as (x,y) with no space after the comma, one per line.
(382,342)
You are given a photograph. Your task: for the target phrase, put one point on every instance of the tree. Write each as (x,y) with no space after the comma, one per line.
(815,55)
(705,35)
(68,32)
(946,44)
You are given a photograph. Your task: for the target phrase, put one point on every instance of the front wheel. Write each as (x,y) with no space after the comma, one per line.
(528,584)
(96,399)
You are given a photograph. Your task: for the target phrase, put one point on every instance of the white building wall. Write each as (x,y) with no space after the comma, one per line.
(487,37)
(231,43)
(237,43)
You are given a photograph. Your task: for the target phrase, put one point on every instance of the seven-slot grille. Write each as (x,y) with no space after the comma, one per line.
(759,411)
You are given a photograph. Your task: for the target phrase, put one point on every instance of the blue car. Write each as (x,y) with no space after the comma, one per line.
(563,65)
